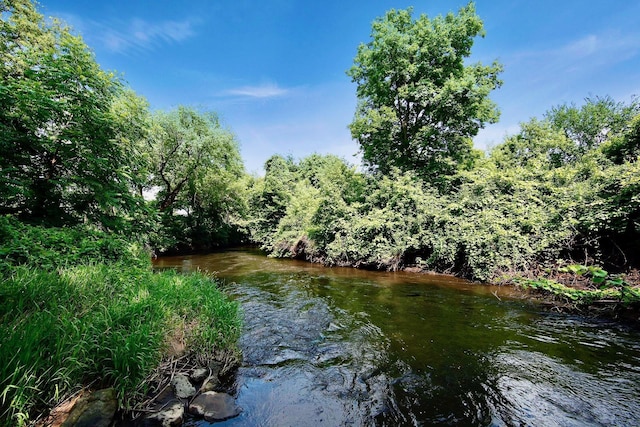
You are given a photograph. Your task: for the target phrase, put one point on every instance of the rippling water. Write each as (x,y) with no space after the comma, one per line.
(337,346)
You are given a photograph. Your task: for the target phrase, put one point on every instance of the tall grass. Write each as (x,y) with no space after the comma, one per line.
(96,324)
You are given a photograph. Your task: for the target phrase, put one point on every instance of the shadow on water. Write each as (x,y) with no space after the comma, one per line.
(339,346)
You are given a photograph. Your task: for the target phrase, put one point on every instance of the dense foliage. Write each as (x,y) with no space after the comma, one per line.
(563,188)
(80,152)
(51,248)
(197,172)
(79,303)
(78,147)
(419,103)
(64,152)
(538,197)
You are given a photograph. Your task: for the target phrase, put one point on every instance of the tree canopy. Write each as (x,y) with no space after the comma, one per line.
(539,197)
(597,120)
(419,103)
(64,157)
(195,164)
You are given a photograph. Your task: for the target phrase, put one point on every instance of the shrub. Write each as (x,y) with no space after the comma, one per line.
(50,248)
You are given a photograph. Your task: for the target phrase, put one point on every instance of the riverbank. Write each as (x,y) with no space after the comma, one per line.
(81,309)
(577,288)
(104,326)
(587,290)
(566,286)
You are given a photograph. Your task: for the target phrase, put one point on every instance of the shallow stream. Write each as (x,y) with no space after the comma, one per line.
(339,346)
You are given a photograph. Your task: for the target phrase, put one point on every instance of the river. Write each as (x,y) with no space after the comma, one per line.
(346,347)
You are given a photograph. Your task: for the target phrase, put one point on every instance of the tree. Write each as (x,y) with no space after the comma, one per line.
(538,147)
(598,120)
(270,196)
(62,156)
(625,147)
(132,119)
(419,104)
(195,161)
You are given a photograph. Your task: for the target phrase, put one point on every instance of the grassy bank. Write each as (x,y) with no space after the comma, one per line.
(582,287)
(85,309)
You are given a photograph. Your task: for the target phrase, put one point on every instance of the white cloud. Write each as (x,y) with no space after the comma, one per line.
(139,34)
(169,31)
(583,54)
(134,35)
(602,49)
(583,47)
(263,91)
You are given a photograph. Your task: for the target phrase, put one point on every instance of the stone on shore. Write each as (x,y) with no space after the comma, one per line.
(214,406)
(211,385)
(199,374)
(95,410)
(170,416)
(183,387)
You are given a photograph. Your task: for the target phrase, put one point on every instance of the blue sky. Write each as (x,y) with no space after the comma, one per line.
(275,70)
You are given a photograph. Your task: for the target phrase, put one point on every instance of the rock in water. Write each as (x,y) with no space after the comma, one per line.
(182,386)
(95,410)
(172,415)
(214,406)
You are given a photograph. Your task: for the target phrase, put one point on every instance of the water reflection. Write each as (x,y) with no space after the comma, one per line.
(350,347)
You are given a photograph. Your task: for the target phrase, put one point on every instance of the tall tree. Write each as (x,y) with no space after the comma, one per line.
(270,196)
(62,155)
(419,103)
(195,163)
(599,119)
(538,147)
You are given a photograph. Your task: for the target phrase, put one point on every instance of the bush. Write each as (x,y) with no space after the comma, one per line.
(564,187)
(50,248)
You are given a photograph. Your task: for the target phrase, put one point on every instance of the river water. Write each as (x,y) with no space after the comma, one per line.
(346,347)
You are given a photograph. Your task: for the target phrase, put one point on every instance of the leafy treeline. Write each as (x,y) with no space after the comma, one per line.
(78,147)
(564,187)
(90,179)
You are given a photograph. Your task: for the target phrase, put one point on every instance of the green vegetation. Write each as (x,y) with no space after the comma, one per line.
(419,103)
(617,291)
(79,151)
(563,187)
(57,103)
(79,303)
(198,173)
(99,325)
(79,147)
(50,248)
(585,285)
(536,198)
(78,307)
